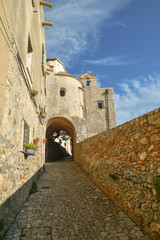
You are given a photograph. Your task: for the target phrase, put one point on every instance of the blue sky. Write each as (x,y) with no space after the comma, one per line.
(118,40)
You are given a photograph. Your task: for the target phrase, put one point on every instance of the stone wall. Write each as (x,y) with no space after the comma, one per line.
(125,162)
(13,204)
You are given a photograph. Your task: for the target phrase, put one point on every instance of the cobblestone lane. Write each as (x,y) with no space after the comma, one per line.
(69,206)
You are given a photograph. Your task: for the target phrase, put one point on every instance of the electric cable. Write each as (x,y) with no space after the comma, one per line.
(88,22)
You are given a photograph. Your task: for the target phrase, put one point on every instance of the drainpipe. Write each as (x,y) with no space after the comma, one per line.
(107,109)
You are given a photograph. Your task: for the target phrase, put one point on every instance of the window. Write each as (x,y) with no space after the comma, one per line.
(25,134)
(29,57)
(87,83)
(62,92)
(100,105)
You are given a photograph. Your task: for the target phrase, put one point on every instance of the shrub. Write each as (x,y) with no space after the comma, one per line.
(34,188)
(34,93)
(156,185)
(2,224)
(44,169)
(113,176)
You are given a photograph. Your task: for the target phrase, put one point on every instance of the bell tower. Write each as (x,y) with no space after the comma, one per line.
(99,109)
(89,80)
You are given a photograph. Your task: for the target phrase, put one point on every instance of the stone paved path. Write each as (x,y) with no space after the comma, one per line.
(69,206)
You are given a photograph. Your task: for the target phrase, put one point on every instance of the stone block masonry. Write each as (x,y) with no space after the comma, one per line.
(125,163)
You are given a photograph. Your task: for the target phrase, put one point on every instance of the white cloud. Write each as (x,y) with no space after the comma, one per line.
(77,23)
(110,61)
(137,97)
(115,24)
(98,82)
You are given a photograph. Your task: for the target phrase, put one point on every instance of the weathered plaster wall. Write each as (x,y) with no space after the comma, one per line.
(27,24)
(5,12)
(56,65)
(130,154)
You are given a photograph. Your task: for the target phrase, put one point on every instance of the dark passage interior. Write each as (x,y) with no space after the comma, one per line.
(59,146)
(61,140)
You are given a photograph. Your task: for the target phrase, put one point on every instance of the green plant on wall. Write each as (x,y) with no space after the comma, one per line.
(156,185)
(44,169)
(31,146)
(113,176)
(2,224)
(34,93)
(34,188)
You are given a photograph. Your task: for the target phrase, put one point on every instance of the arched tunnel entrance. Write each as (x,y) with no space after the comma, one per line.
(61,139)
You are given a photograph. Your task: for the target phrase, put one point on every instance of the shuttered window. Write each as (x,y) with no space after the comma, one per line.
(25,134)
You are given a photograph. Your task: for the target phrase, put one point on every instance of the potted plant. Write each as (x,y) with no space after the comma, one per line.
(30,148)
(36,140)
(42,113)
(44,140)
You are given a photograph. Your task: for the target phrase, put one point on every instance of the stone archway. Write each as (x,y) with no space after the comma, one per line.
(60,123)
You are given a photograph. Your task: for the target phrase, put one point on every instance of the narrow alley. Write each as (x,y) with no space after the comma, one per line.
(69,206)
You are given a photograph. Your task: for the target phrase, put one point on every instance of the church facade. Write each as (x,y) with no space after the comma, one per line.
(90,109)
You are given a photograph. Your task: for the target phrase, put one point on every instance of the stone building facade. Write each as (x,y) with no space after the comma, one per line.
(90,109)
(22,76)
